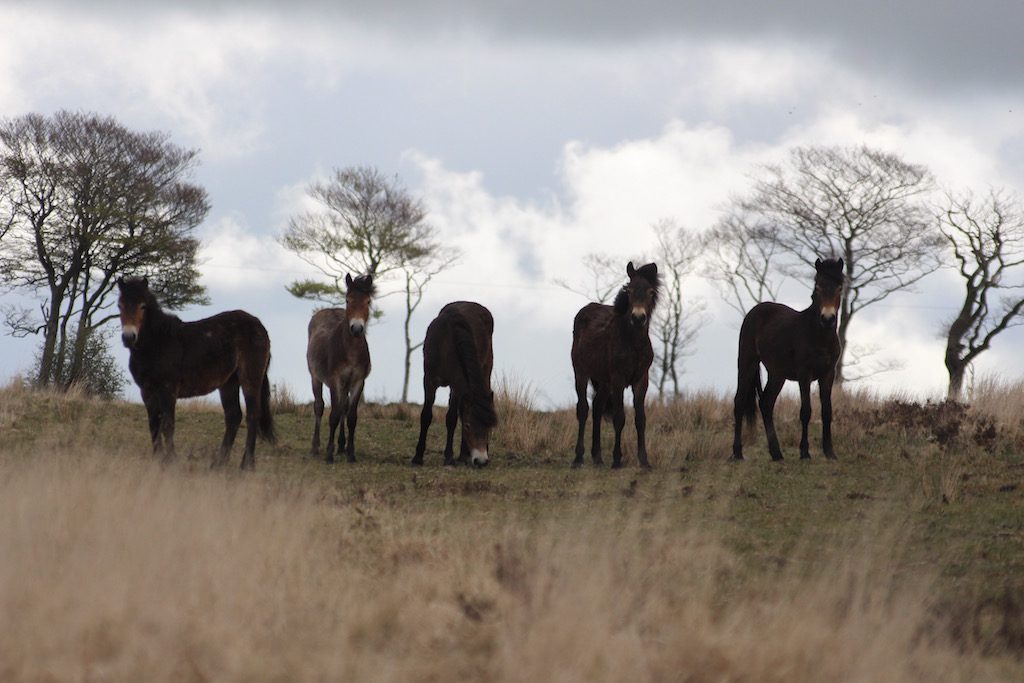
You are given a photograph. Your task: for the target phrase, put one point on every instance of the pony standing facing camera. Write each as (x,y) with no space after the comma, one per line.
(170,359)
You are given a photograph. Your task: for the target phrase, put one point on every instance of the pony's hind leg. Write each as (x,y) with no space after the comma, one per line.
(805,417)
(426,416)
(232,419)
(318,413)
(581,417)
(618,422)
(252,389)
(745,402)
(771,393)
(600,403)
(451,421)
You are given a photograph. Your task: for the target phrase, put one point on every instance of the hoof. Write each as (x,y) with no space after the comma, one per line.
(329,459)
(738,456)
(831,456)
(805,455)
(416,462)
(617,465)
(777,457)
(645,465)
(576,464)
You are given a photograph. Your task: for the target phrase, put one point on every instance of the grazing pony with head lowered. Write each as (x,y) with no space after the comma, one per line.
(337,355)
(611,349)
(797,345)
(457,353)
(170,359)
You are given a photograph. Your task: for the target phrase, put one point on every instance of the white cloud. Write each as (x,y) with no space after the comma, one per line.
(233,257)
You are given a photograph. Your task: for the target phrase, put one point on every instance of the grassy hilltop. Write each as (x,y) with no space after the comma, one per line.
(903,560)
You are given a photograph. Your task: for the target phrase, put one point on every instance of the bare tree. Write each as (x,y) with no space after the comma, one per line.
(417,275)
(741,257)
(86,200)
(987,239)
(863,205)
(676,322)
(368,223)
(602,280)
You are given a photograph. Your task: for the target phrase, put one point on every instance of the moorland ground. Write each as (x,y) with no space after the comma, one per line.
(902,560)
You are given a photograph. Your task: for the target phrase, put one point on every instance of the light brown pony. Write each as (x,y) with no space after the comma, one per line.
(337,355)
(796,345)
(611,349)
(457,353)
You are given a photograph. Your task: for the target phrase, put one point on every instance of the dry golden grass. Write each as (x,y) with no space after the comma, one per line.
(113,568)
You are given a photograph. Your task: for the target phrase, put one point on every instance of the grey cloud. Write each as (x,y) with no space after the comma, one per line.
(939,44)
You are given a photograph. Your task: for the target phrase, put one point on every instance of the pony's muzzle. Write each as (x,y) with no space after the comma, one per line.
(639,319)
(129,335)
(357,327)
(478,458)
(828,316)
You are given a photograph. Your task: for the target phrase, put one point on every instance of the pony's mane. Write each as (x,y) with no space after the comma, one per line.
(648,272)
(832,268)
(364,285)
(481,401)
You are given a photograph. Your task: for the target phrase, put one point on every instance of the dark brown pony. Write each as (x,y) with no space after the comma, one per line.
(611,349)
(457,353)
(337,355)
(170,359)
(797,345)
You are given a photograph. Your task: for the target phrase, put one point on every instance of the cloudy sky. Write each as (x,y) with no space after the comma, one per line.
(535,132)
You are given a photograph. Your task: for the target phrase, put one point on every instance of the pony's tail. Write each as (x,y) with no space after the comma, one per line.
(748,393)
(479,396)
(266,423)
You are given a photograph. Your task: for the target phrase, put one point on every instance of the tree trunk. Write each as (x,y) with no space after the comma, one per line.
(49,340)
(956,381)
(408,340)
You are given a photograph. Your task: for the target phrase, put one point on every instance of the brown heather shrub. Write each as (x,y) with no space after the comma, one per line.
(113,568)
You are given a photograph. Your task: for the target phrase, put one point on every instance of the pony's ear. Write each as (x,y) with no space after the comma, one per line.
(650,268)
(841,266)
(630,270)
(817,264)
(348,279)
(120,283)
(145,281)
(369,280)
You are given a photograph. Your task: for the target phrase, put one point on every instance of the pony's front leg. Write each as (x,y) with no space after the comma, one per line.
(167,428)
(581,417)
(640,420)
(353,417)
(825,389)
(318,413)
(805,417)
(426,417)
(334,420)
(618,422)
(451,421)
(153,415)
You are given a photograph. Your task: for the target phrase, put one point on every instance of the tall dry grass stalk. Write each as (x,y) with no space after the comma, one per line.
(115,569)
